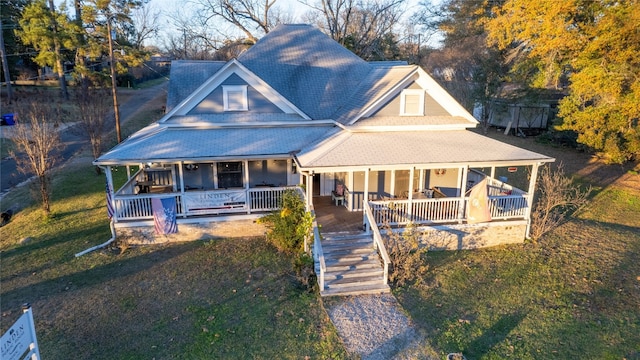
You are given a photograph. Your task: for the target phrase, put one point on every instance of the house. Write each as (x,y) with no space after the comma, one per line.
(298,108)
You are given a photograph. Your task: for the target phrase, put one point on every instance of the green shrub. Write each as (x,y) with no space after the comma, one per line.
(288,226)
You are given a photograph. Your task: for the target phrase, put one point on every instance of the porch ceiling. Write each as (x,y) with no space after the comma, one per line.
(170,144)
(370,149)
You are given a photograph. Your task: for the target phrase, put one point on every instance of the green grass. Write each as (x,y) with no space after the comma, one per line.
(574,294)
(232,299)
(226,298)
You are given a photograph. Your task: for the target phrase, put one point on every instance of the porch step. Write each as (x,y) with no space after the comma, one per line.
(352,266)
(357,290)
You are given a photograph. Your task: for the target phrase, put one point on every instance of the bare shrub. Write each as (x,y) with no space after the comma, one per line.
(558,196)
(408,257)
(93,108)
(37,144)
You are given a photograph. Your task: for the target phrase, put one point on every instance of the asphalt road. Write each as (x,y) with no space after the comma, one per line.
(74,141)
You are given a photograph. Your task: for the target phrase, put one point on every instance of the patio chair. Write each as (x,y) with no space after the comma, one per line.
(337,195)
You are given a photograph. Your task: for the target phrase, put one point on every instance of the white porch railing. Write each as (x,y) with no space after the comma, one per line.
(138,206)
(443,210)
(318,254)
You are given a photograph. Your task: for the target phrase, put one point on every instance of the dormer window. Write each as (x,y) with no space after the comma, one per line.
(412,102)
(235,98)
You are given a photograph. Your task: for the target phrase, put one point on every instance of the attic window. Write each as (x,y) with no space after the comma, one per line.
(412,102)
(235,98)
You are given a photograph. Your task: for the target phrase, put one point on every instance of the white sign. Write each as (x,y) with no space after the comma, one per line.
(214,201)
(20,338)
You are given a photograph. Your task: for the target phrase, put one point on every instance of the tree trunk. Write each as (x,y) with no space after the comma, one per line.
(44,193)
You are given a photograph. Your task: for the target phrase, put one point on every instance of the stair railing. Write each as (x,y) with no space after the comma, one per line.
(377,240)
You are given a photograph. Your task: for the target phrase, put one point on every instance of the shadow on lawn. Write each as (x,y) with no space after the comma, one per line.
(121,266)
(495,334)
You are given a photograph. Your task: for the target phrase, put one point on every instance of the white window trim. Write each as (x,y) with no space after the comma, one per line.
(403,95)
(235,88)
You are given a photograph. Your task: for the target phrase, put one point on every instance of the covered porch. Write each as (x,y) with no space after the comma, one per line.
(203,191)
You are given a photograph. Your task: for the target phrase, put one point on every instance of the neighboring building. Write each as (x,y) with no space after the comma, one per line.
(298,108)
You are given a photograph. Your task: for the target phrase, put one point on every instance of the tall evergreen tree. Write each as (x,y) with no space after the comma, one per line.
(49,31)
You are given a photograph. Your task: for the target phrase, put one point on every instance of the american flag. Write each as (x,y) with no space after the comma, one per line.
(479,204)
(110,208)
(164,215)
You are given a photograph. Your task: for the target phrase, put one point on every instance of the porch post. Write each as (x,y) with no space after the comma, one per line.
(365,199)
(392,188)
(173,177)
(351,196)
(421,187)
(109,176)
(181,175)
(493,172)
(532,189)
(245,164)
(463,190)
(309,190)
(410,195)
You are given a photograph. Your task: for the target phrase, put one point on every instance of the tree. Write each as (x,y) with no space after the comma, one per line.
(244,15)
(111,23)
(366,28)
(93,109)
(146,23)
(557,197)
(49,30)
(37,144)
(596,44)
(472,71)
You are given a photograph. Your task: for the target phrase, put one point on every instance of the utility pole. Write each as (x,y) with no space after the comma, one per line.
(5,64)
(114,92)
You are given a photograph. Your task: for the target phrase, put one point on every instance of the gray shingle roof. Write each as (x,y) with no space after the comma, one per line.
(313,71)
(411,121)
(415,147)
(176,143)
(377,82)
(186,76)
(233,118)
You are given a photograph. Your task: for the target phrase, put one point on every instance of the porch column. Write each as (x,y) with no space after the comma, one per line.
(365,200)
(309,190)
(532,189)
(421,187)
(245,164)
(350,187)
(392,188)
(113,194)
(173,177)
(463,189)
(493,172)
(410,195)
(181,176)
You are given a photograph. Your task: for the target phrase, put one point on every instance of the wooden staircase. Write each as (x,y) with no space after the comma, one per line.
(353,266)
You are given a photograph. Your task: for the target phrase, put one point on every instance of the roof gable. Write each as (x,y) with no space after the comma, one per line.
(186,76)
(232,72)
(441,102)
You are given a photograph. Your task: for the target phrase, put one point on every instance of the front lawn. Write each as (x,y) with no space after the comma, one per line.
(232,299)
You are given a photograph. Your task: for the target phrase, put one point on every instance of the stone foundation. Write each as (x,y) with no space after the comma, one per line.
(466,237)
(145,235)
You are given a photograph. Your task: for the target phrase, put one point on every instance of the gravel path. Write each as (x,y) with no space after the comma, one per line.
(375,327)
